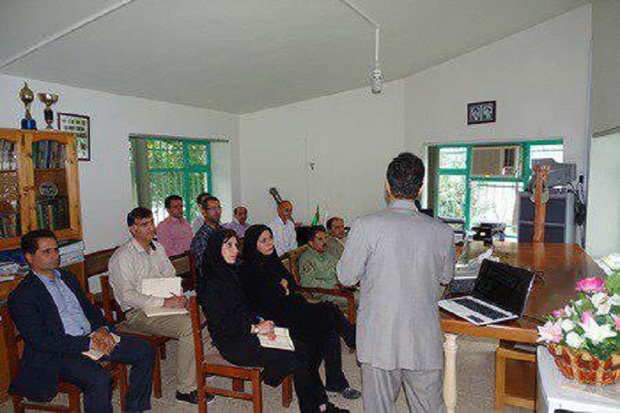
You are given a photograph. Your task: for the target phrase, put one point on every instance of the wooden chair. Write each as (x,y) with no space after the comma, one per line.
(182,265)
(291,258)
(213,363)
(96,263)
(520,366)
(192,271)
(14,343)
(110,308)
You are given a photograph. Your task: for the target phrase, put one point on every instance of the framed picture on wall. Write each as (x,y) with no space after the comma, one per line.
(481,112)
(80,126)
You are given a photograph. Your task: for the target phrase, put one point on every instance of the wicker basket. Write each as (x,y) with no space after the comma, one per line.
(585,368)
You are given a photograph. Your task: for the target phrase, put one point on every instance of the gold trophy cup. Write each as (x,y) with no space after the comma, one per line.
(27,97)
(49,99)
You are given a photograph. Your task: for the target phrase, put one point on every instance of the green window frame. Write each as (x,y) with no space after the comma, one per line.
(525,156)
(163,166)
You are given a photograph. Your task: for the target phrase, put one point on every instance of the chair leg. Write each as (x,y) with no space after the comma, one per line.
(122,386)
(257,392)
(287,391)
(500,379)
(157,392)
(17,404)
(202,401)
(75,405)
(238,385)
(162,351)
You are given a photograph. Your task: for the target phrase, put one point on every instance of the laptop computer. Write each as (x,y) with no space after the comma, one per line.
(500,294)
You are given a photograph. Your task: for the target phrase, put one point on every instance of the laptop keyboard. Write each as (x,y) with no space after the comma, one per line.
(484,310)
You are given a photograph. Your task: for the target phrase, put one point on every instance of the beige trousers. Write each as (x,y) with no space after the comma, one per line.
(175,326)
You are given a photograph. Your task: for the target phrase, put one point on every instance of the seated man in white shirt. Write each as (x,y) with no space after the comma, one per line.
(139,258)
(283,227)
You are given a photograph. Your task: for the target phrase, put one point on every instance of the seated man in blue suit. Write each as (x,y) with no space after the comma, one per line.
(58,323)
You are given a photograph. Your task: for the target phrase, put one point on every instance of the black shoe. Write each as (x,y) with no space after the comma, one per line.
(331,408)
(192,397)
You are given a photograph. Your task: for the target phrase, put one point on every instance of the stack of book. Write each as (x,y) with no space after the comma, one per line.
(71,251)
(8,268)
(48,155)
(8,156)
(10,223)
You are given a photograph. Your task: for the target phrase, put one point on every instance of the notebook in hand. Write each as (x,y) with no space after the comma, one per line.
(282,340)
(97,354)
(500,294)
(163,288)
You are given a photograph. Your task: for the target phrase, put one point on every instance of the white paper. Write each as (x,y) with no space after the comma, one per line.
(282,341)
(162,287)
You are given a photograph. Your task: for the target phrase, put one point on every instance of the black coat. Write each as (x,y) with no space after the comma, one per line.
(37,319)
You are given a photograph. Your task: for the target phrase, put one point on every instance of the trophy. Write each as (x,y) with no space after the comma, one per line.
(27,96)
(49,99)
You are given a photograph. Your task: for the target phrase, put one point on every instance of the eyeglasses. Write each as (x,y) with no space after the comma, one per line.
(215,208)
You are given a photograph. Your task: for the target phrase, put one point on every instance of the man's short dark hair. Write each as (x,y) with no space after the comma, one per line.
(209,198)
(331,221)
(314,230)
(200,196)
(30,242)
(405,174)
(138,213)
(170,198)
(238,207)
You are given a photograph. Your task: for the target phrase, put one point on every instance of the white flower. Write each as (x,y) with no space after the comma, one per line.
(569,310)
(596,333)
(567,325)
(602,303)
(574,340)
(615,299)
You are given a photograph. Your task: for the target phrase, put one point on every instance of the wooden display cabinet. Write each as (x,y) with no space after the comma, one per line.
(39,188)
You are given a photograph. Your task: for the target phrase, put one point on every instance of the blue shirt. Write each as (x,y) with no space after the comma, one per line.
(199,243)
(73,318)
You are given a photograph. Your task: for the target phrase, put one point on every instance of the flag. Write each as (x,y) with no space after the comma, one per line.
(317,216)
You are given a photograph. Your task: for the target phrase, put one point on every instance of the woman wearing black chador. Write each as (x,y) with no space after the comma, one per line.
(234,328)
(271,291)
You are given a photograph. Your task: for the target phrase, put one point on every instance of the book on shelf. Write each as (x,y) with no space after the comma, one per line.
(8,161)
(53,213)
(71,246)
(71,258)
(48,155)
(10,224)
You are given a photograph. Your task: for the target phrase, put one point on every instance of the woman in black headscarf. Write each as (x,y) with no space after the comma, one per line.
(271,291)
(234,327)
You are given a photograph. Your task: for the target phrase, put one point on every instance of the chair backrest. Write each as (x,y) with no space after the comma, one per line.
(96,263)
(293,257)
(109,303)
(194,315)
(12,339)
(181,264)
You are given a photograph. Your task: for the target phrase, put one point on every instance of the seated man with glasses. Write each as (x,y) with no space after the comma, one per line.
(212,211)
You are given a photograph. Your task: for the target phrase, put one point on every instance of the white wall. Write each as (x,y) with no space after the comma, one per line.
(606,65)
(350,137)
(603,229)
(538,78)
(105,181)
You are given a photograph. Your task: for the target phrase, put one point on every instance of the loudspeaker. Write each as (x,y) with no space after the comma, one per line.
(559,219)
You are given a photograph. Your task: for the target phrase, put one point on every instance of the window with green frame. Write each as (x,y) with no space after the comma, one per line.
(458,193)
(165,166)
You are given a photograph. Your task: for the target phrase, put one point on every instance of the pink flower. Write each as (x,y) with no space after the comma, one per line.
(587,315)
(591,285)
(617,322)
(559,313)
(550,332)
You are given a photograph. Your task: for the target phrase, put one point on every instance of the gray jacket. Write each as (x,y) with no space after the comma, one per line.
(400,257)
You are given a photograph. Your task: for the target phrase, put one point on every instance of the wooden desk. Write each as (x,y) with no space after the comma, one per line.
(562,266)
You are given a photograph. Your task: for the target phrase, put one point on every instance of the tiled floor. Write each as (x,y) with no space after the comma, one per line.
(475,386)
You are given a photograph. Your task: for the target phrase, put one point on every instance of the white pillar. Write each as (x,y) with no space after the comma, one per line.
(449,381)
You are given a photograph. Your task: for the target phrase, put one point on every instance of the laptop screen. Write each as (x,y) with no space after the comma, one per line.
(504,286)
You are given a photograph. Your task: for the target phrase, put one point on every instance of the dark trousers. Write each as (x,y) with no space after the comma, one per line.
(96,383)
(277,364)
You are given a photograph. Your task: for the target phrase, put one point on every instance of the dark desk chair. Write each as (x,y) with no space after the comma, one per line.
(14,346)
(213,363)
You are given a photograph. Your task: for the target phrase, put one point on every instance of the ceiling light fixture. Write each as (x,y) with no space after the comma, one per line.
(376,76)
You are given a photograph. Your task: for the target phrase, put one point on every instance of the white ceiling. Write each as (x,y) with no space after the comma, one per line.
(241,56)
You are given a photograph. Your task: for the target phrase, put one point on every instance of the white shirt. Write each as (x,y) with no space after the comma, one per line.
(197,222)
(284,236)
(129,265)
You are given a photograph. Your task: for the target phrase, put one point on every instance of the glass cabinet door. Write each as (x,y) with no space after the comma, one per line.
(13,201)
(55,191)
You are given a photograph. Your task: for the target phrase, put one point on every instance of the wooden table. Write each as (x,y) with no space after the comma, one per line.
(561,265)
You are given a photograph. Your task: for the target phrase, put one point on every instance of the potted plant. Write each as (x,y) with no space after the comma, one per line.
(584,337)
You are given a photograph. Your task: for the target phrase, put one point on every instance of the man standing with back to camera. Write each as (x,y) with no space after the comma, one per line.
(400,257)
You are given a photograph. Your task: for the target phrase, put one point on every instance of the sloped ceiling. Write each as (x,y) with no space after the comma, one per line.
(241,56)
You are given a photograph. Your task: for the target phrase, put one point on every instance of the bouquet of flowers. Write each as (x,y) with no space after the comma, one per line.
(584,336)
